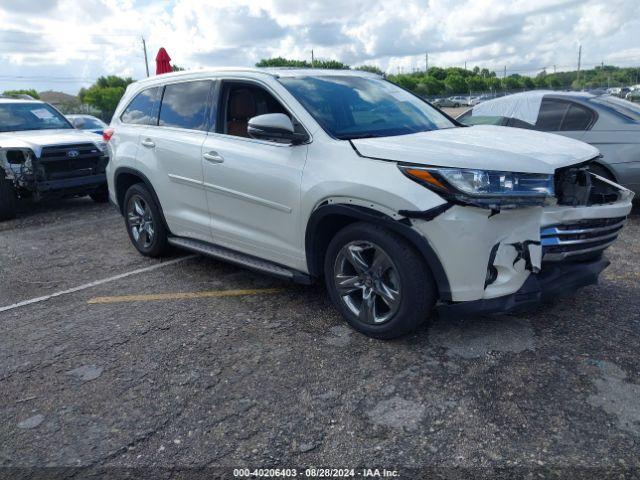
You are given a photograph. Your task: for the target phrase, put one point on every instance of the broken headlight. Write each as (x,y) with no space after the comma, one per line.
(484,188)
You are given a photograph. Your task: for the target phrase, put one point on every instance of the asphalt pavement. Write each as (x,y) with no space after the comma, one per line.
(111,361)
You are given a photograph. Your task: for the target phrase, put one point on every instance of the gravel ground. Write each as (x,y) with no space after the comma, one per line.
(276,379)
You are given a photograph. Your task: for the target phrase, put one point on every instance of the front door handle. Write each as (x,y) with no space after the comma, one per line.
(213,157)
(147,142)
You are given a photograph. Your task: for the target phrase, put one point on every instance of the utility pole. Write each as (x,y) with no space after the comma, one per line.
(554,68)
(146,61)
(312,59)
(504,79)
(426,62)
(465,65)
(579,61)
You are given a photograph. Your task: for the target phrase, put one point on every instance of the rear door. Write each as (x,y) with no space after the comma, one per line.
(173,153)
(135,121)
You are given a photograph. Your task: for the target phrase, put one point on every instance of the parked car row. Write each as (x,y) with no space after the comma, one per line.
(460,101)
(345,178)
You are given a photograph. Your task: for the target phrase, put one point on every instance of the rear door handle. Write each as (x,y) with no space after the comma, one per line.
(147,142)
(213,157)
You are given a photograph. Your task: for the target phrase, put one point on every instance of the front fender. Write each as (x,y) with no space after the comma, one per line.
(362,213)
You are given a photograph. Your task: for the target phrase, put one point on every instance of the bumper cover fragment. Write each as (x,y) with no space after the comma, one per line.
(552,281)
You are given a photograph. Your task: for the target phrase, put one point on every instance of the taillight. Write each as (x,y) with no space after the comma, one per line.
(107,134)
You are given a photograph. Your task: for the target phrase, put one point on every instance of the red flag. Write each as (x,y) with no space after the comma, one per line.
(162,62)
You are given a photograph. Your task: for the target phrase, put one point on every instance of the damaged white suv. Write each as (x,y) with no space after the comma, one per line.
(342,175)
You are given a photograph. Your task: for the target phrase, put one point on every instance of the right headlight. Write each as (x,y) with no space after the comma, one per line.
(485,188)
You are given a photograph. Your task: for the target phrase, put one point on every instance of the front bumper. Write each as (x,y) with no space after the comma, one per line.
(552,281)
(82,183)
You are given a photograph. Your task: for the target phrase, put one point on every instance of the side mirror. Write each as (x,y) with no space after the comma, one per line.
(275,126)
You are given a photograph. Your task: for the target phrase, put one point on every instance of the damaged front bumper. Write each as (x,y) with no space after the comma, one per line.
(551,282)
(498,261)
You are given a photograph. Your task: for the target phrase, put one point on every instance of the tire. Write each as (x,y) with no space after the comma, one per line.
(403,277)
(144,222)
(100,195)
(8,199)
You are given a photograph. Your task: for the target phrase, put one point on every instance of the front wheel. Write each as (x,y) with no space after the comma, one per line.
(8,205)
(144,222)
(378,281)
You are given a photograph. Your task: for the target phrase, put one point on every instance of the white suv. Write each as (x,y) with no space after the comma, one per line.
(341,175)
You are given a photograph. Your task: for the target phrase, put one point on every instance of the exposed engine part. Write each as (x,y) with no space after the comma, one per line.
(577,186)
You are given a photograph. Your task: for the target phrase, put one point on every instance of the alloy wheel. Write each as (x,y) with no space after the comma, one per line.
(140,221)
(367,281)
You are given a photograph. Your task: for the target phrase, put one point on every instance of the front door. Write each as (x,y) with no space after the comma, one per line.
(253,186)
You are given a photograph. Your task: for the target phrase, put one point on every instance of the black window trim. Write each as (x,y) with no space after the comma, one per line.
(208,111)
(221,103)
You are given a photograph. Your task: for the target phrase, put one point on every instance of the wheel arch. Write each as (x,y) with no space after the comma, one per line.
(124,178)
(328,219)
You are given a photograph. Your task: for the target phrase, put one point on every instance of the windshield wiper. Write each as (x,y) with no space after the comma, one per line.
(362,135)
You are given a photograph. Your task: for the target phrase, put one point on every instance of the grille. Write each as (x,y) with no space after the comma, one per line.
(85,159)
(577,240)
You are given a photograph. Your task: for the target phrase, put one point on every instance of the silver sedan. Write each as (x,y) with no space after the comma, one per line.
(609,123)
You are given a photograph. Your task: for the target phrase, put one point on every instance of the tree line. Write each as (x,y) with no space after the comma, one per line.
(107,91)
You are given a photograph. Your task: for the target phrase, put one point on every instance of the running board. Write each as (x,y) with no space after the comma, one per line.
(241,259)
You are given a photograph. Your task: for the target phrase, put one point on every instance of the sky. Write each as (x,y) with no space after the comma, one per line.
(66,44)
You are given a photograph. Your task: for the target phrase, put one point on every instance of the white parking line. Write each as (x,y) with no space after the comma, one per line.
(96,283)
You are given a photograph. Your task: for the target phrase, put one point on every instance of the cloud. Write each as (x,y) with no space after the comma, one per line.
(65,44)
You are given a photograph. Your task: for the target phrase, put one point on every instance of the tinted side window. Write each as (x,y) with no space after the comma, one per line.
(241,102)
(143,108)
(551,115)
(184,105)
(577,118)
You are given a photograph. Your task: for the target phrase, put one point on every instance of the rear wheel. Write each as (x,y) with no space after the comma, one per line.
(378,281)
(7,199)
(144,222)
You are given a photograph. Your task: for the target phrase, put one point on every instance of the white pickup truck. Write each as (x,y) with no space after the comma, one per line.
(43,156)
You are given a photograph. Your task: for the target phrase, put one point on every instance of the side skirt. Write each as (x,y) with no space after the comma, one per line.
(241,259)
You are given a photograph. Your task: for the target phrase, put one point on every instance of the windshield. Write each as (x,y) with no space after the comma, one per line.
(87,123)
(356,107)
(629,110)
(15,117)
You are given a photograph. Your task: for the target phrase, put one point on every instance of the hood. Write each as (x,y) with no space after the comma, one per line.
(36,139)
(481,147)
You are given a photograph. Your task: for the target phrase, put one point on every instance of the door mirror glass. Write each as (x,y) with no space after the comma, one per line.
(276,127)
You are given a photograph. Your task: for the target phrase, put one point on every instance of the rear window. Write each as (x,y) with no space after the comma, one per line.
(551,115)
(143,109)
(577,118)
(624,109)
(185,105)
